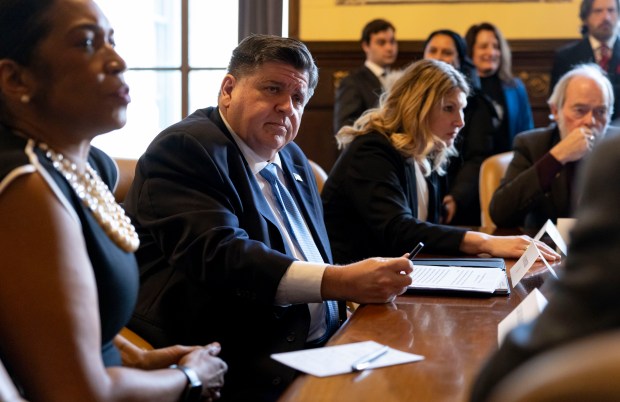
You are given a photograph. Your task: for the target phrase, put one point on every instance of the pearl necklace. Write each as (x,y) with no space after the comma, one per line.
(98,198)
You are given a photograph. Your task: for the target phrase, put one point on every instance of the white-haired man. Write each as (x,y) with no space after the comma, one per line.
(538,184)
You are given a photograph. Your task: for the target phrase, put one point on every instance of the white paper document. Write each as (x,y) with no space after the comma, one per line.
(333,360)
(456,278)
(555,235)
(526,311)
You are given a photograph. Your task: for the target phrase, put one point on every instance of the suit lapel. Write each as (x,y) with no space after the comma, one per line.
(585,51)
(613,72)
(432,213)
(373,83)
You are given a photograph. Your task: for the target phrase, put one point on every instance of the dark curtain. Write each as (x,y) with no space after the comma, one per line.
(260,17)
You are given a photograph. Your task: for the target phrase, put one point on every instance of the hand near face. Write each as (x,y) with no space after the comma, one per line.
(374,280)
(575,145)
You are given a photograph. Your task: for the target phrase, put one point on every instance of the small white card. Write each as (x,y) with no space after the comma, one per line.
(555,235)
(565,225)
(332,360)
(525,263)
(526,311)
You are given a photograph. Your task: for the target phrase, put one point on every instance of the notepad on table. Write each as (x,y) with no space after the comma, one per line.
(340,359)
(459,275)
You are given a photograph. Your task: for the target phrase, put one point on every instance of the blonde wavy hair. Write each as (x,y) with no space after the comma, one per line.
(403,115)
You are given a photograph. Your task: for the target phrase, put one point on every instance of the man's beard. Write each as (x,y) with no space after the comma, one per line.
(604,32)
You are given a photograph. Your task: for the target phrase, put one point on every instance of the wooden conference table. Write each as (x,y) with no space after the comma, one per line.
(454,334)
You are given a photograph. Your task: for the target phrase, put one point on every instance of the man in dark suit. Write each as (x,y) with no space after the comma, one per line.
(599,45)
(220,258)
(538,183)
(585,300)
(360,90)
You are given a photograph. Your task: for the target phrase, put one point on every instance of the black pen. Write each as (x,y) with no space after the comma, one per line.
(365,361)
(415,250)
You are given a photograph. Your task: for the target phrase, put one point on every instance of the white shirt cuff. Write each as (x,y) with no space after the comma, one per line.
(301,284)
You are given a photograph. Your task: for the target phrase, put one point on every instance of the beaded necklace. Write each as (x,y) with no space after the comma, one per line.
(98,198)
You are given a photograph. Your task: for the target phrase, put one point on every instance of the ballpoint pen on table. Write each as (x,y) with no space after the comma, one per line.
(415,250)
(366,360)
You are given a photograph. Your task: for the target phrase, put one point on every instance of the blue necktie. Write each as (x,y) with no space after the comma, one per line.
(301,236)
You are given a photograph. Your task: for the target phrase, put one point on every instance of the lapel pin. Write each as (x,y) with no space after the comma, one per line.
(298,177)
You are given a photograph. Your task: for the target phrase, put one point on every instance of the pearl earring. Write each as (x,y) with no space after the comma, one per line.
(25,98)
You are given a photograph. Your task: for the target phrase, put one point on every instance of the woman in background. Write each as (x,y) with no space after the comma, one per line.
(462,201)
(491,55)
(68,278)
(381,195)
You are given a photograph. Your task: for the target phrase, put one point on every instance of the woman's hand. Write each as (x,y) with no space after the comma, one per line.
(503,246)
(515,246)
(209,367)
(144,359)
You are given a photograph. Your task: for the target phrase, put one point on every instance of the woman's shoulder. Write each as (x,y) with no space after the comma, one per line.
(371,139)
(369,151)
(515,84)
(14,159)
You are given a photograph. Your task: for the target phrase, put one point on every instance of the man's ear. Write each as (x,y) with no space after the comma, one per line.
(15,81)
(554,112)
(365,47)
(226,89)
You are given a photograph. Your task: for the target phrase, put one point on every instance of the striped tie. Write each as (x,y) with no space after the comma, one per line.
(301,236)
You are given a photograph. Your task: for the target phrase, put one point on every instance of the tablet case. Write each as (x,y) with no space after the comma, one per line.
(502,289)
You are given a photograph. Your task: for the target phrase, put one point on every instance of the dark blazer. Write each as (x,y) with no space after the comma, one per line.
(520,199)
(581,52)
(211,256)
(370,202)
(585,300)
(358,92)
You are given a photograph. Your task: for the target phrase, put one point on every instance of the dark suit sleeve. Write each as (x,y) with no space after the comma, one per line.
(348,104)
(358,92)
(520,188)
(585,300)
(197,207)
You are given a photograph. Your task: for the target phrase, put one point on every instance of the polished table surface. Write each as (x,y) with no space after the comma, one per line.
(454,334)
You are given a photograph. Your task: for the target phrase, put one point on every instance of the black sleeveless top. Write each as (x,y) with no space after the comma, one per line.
(116,272)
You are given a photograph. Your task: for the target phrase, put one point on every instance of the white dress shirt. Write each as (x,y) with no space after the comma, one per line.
(378,71)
